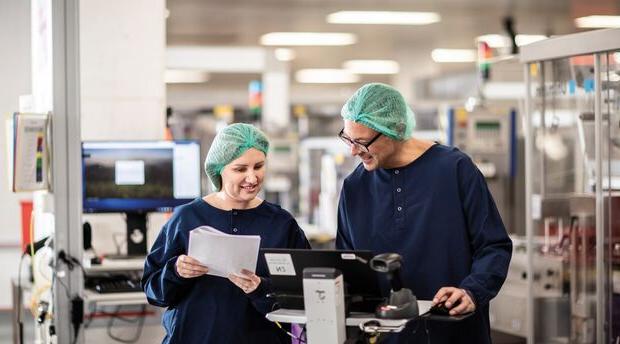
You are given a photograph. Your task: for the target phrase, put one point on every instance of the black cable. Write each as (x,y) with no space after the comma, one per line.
(303,334)
(75,336)
(417,324)
(290,334)
(71,261)
(19,299)
(138,332)
(55,278)
(428,333)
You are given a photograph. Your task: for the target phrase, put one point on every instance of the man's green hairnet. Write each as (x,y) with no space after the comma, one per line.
(382,108)
(228,145)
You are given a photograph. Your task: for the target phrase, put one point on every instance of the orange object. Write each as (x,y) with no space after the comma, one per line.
(26,208)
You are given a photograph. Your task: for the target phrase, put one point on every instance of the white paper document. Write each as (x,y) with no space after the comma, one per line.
(223,253)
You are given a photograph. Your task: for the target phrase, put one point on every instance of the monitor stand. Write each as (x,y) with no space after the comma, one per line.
(136,234)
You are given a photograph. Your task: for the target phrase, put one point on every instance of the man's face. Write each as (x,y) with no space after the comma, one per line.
(374,154)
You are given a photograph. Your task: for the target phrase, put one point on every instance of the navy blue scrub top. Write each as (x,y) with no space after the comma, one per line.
(211,309)
(439,215)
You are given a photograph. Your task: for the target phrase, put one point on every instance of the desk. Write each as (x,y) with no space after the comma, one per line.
(295,316)
(111,265)
(114,299)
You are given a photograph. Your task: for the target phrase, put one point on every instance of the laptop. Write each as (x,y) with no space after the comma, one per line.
(286,266)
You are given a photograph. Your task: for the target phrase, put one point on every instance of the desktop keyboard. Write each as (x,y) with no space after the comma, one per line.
(106,285)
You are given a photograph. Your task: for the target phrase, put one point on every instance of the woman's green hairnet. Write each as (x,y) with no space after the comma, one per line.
(381,108)
(228,145)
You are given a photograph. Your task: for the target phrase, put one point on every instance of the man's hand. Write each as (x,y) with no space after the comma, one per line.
(188,267)
(455,296)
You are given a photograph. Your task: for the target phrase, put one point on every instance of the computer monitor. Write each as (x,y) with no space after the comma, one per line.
(137,177)
(362,284)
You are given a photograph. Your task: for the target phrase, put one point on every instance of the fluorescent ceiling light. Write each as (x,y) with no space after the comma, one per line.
(383,17)
(185,76)
(308,38)
(499,41)
(593,22)
(284,54)
(454,55)
(371,66)
(494,40)
(325,76)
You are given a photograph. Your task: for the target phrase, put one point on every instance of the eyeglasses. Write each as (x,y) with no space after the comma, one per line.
(352,143)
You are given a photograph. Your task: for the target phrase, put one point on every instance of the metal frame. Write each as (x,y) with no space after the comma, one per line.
(590,42)
(595,43)
(66,165)
(600,202)
(529,226)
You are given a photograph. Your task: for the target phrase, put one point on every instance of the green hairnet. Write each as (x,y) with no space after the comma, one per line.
(228,145)
(382,108)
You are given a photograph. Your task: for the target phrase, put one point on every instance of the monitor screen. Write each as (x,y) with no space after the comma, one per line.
(139,176)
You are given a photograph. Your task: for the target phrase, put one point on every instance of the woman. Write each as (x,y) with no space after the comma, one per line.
(209,309)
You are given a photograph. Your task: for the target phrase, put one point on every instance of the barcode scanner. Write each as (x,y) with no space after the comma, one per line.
(402,304)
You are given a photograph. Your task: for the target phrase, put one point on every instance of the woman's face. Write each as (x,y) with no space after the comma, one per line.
(243,177)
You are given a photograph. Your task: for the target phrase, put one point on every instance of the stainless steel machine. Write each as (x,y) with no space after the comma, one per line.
(572,126)
(488,134)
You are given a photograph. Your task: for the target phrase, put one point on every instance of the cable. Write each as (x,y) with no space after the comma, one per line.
(303,333)
(75,337)
(140,321)
(71,261)
(289,333)
(77,303)
(19,299)
(428,333)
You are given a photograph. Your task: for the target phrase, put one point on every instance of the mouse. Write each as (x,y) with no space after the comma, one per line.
(441,309)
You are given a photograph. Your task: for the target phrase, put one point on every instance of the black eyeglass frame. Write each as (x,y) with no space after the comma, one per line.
(361,146)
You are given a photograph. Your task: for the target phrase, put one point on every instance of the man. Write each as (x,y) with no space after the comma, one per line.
(430,204)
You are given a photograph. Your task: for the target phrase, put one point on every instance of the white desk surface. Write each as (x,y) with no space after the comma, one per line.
(297,316)
(117,265)
(114,299)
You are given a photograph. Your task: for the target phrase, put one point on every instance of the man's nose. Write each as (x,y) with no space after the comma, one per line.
(354,150)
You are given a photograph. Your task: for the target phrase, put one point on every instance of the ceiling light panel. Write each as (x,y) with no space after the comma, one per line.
(325,76)
(593,22)
(453,55)
(371,66)
(308,38)
(185,76)
(284,54)
(383,17)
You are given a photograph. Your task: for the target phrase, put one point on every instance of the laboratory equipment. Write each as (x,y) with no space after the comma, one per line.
(488,134)
(573,163)
(401,304)
(327,291)
(324,305)
(324,163)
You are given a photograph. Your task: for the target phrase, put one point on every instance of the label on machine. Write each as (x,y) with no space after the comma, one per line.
(280,264)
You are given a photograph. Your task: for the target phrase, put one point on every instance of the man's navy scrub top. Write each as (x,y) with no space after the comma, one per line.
(211,309)
(438,214)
